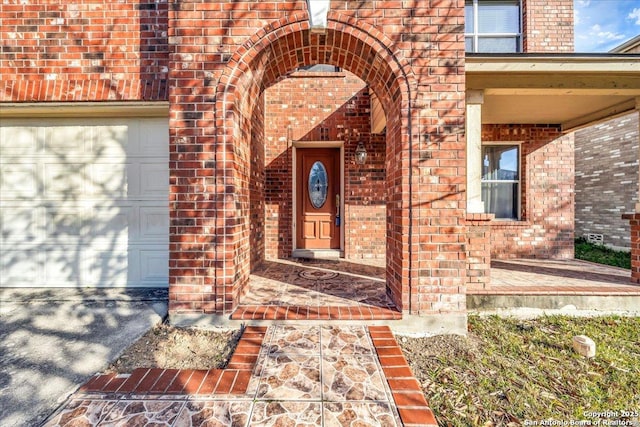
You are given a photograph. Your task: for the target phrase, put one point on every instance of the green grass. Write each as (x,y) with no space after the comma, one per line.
(601,254)
(510,371)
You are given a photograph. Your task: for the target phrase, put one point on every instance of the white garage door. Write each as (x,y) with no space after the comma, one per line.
(84,202)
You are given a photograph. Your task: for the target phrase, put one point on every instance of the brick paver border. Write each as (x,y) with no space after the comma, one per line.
(234,379)
(272,312)
(407,393)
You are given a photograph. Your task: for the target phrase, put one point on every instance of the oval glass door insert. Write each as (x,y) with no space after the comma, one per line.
(318,184)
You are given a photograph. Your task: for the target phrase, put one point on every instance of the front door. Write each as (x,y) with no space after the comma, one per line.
(318,198)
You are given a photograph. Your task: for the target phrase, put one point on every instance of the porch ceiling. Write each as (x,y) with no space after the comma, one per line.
(571,90)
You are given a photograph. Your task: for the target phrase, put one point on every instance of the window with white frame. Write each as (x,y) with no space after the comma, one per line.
(492,26)
(501,180)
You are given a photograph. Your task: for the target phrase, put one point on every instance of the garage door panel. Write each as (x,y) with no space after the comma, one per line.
(19,224)
(152,139)
(63,265)
(65,224)
(109,268)
(113,226)
(18,180)
(154,266)
(154,179)
(20,267)
(154,223)
(110,180)
(67,141)
(65,180)
(113,141)
(20,140)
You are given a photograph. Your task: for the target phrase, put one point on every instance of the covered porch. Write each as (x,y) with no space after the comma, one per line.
(535,102)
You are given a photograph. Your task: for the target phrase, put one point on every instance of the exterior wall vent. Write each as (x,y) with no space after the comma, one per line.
(596,239)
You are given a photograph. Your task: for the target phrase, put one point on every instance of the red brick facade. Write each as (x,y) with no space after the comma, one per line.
(634,222)
(548,26)
(84,51)
(225,68)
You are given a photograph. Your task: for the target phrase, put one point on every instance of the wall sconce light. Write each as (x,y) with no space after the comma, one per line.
(361,153)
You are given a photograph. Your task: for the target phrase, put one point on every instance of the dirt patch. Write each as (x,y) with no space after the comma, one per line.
(440,347)
(168,347)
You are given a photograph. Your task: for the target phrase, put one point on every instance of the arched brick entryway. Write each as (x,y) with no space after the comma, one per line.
(212,249)
(268,57)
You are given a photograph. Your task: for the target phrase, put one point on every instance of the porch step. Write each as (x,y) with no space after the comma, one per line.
(272,312)
(328,254)
(619,302)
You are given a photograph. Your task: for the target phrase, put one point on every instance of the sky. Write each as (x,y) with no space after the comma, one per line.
(601,25)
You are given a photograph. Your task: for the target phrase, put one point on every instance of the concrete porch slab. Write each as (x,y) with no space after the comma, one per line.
(554,285)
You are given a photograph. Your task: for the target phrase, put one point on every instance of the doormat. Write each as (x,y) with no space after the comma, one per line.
(317,275)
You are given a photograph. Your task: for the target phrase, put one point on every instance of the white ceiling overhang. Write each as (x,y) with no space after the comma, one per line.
(573,91)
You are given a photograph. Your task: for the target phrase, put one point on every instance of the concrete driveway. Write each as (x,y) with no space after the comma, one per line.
(53,340)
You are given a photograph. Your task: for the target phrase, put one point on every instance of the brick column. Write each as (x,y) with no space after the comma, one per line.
(479,250)
(634,220)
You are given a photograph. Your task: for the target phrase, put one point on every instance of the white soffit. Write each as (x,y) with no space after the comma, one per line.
(573,91)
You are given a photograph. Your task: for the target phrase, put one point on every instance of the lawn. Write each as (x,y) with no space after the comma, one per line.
(601,254)
(511,372)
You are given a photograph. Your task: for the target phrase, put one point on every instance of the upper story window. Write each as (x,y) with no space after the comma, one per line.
(492,26)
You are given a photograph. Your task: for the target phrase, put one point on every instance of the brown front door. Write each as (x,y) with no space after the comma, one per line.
(318,190)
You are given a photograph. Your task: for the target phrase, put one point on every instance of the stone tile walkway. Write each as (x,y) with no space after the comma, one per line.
(317,290)
(279,376)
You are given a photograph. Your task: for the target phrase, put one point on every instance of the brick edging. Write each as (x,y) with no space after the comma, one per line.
(234,379)
(407,393)
(273,312)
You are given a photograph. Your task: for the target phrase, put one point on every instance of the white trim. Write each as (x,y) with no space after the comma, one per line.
(537,64)
(296,145)
(85,109)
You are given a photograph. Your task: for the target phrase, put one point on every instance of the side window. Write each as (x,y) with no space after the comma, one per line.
(501,180)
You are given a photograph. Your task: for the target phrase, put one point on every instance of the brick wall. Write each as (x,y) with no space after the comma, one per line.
(258,177)
(607,179)
(547,194)
(311,106)
(548,26)
(79,51)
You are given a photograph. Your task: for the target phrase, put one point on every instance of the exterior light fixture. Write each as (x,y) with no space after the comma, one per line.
(361,153)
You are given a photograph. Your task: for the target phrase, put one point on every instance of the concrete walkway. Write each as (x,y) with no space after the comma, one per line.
(53,340)
(278,376)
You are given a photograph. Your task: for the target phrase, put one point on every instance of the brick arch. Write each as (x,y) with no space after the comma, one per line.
(264,59)
(288,43)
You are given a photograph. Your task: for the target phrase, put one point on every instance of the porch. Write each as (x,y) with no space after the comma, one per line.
(355,289)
